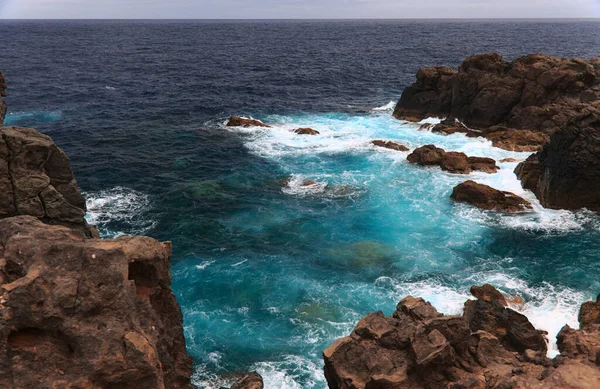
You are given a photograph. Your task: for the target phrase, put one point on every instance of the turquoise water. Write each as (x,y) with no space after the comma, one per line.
(310,261)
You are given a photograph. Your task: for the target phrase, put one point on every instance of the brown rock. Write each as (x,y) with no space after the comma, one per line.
(590,313)
(455,162)
(517,140)
(427,155)
(249,381)
(488,293)
(90,313)
(566,173)
(36,179)
(486,165)
(390,145)
(505,160)
(237,121)
(535,93)
(306,131)
(486,197)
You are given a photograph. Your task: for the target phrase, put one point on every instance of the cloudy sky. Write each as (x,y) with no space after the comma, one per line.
(251,9)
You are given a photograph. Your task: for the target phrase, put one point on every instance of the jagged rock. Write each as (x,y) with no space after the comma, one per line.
(249,381)
(535,92)
(417,348)
(78,312)
(505,160)
(590,313)
(486,197)
(237,121)
(566,173)
(488,294)
(428,155)
(2,103)
(451,161)
(36,179)
(306,131)
(390,145)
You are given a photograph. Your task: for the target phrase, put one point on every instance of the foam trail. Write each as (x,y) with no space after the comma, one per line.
(15,118)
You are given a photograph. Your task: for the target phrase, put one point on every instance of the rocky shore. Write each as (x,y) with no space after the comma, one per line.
(77,311)
(489,346)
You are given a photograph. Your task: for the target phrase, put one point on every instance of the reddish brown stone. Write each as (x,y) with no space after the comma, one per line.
(390,145)
(237,121)
(486,197)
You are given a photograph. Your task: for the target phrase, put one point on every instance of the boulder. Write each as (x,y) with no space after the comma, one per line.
(306,131)
(566,173)
(499,99)
(390,145)
(488,198)
(238,121)
(36,179)
(488,294)
(451,161)
(428,155)
(87,313)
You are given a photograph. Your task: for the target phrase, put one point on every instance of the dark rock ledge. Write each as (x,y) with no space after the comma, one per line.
(518,105)
(489,347)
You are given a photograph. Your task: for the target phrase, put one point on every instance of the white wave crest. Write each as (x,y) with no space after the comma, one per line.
(119,211)
(388,107)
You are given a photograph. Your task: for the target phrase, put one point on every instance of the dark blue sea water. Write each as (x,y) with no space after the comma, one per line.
(268,277)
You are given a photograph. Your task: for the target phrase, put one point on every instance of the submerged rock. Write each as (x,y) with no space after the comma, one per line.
(566,173)
(488,347)
(91,313)
(237,121)
(535,93)
(36,179)
(451,161)
(306,131)
(486,197)
(390,145)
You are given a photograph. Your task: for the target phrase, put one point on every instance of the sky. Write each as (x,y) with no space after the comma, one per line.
(295,9)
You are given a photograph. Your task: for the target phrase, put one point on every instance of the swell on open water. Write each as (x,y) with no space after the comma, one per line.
(268,277)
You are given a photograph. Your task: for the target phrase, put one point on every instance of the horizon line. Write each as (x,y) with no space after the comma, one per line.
(298,19)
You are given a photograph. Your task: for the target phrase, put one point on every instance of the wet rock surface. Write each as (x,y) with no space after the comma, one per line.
(87,313)
(306,131)
(238,121)
(451,161)
(499,99)
(488,198)
(390,145)
(488,347)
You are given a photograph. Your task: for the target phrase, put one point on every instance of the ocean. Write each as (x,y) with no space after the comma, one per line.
(268,277)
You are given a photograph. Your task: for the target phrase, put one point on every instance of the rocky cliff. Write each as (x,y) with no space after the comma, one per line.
(77,311)
(489,347)
(535,95)
(566,173)
(2,94)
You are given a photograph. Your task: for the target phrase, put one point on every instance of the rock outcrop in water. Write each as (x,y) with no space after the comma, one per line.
(306,131)
(238,121)
(451,161)
(517,104)
(486,197)
(389,145)
(77,311)
(488,347)
(249,381)
(566,173)
(36,179)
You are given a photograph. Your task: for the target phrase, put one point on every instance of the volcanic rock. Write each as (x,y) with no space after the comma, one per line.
(489,347)
(452,161)
(87,313)
(237,121)
(36,179)
(566,173)
(486,197)
(306,131)
(535,92)
(390,145)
